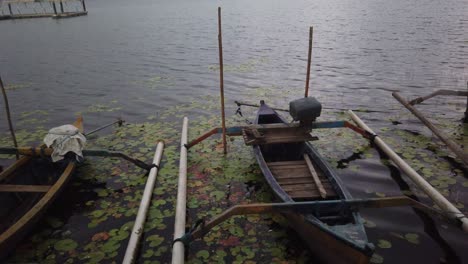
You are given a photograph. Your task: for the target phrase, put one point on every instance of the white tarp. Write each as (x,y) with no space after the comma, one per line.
(64,139)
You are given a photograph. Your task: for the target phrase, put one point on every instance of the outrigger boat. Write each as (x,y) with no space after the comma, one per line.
(296,171)
(311,195)
(309,192)
(27,188)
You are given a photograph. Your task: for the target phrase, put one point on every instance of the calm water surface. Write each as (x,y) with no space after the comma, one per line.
(135,59)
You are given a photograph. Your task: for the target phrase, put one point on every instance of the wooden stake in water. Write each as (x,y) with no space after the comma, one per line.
(55,8)
(309,59)
(7,108)
(221,84)
(465,120)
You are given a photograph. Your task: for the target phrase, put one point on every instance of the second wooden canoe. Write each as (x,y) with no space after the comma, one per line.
(27,188)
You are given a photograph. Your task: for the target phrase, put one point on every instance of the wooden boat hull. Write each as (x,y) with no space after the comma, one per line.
(333,237)
(16,232)
(324,245)
(27,188)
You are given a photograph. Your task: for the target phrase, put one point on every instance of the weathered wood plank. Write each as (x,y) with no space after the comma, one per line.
(288,162)
(8,172)
(317,181)
(304,186)
(305,195)
(293,173)
(24,188)
(287,182)
(254,136)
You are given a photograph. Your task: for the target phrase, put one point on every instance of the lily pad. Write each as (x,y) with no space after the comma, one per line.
(369,224)
(203,254)
(155,240)
(65,245)
(377,259)
(412,238)
(96,256)
(384,243)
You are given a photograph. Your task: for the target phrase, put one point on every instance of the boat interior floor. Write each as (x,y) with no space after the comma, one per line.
(296,177)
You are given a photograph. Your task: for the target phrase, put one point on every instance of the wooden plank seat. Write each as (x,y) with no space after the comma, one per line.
(296,179)
(24,188)
(261,136)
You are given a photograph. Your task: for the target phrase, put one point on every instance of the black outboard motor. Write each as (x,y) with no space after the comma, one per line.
(305,110)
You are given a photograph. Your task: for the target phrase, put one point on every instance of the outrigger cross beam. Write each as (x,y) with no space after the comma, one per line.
(268,133)
(317,207)
(86,152)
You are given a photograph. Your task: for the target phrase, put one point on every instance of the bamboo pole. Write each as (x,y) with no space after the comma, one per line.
(309,59)
(138,227)
(7,109)
(447,208)
(441,135)
(84,5)
(28,151)
(221,78)
(436,93)
(314,207)
(239,103)
(119,121)
(61,7)
(178,248)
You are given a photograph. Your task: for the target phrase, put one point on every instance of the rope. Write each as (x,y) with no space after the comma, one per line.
(370,136)
(42,151)
(187,237)
(239,112)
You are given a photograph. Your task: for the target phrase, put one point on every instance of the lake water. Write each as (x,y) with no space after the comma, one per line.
(136,59)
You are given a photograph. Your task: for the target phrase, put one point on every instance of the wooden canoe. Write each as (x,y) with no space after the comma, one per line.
(27,188)
(296,172)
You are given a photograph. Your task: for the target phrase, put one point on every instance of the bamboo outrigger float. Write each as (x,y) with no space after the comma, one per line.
(462,154)
(137,231)
(178,247)
(448,209)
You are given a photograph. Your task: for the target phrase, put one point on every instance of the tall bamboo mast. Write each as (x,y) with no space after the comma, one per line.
(221,79)
(7,109)
(309,60)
